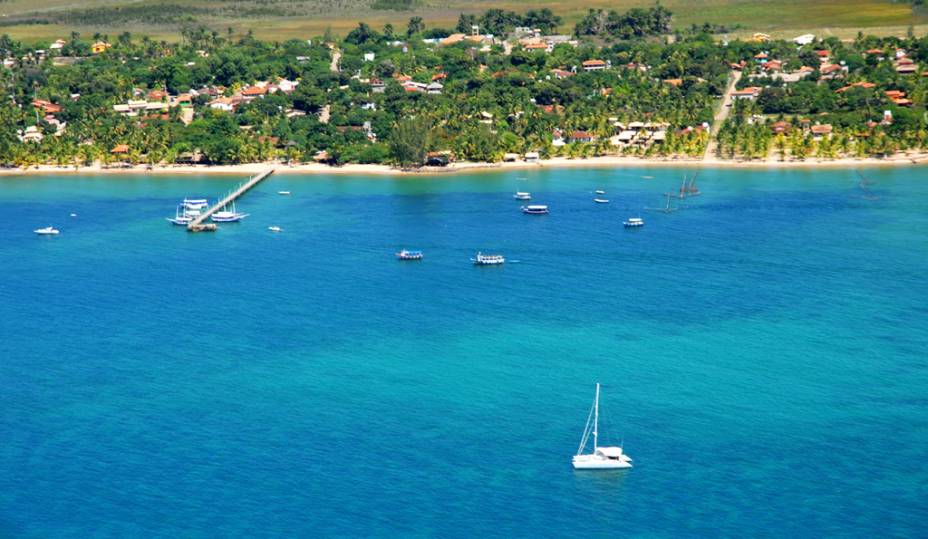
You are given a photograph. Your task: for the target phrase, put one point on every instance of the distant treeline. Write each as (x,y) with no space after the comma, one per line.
(636,22)
(499,22)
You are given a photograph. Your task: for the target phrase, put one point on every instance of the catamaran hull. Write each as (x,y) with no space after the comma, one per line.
(588,462)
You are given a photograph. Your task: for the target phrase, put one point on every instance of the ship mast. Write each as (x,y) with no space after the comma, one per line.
(596,420)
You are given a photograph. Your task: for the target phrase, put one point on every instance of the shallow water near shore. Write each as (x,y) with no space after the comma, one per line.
(761,350)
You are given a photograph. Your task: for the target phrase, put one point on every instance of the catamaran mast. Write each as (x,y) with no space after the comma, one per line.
(596,420)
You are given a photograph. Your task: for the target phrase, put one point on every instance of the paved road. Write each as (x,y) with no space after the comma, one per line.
(721,115)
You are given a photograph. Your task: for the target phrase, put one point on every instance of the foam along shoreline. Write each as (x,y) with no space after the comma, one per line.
(557,162)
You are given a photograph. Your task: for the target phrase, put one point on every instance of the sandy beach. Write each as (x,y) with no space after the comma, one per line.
(385,170)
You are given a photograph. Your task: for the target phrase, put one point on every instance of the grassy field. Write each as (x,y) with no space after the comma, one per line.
(281,19)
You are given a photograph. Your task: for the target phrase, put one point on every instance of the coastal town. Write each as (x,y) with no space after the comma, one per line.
(499,88)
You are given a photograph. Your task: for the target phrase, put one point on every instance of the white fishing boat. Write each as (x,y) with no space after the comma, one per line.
(406,254)
(602,458)
(47,231)
(73,215)
(284,193)
(601,200)
(488,260)
(181,216)
(599,192)
(195,203)
(522,195)
(535,209)
(274,228)
(226,216)
(633,222)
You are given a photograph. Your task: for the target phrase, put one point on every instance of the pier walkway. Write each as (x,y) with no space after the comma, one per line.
(199,225)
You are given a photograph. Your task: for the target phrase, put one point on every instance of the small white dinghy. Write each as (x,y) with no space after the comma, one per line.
(283,193)
(47,231)
(599,192)
(602,458)
(274,228)
(601,200)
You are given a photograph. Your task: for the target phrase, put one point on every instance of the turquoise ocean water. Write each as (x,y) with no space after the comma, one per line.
(762,353)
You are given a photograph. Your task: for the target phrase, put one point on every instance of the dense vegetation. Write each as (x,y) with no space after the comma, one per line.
(633,23)
(486,100)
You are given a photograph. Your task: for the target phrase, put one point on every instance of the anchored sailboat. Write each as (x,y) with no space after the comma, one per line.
(602,458)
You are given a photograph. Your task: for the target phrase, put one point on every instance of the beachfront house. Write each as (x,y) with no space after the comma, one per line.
(582,137)
(821,131)
(31,134)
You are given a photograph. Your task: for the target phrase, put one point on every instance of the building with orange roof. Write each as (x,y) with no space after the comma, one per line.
(594,65)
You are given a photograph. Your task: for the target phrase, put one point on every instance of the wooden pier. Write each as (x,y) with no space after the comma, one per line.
(198,224)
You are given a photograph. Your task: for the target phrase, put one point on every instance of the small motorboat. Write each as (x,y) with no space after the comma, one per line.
(599,192)
(522,195)
(406,254)
(633,222)
(274,228)
(73,215)
(488,260)
(284,193)
(47,231)
(535,209)
(601,200)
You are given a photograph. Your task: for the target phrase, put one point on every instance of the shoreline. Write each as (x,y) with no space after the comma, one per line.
(464,167)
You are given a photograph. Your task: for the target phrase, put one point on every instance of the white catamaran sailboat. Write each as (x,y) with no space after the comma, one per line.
(602,458)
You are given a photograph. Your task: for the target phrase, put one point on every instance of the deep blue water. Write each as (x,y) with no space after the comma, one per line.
(762,353)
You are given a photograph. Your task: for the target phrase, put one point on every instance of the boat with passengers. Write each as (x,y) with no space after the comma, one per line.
(535,209)
(488,260)
(406,254)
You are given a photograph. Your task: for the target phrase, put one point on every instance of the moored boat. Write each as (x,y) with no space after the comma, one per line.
(599,192)
(406,254)
(633,222)
(488,260)
(522,195)
(535,209)
(47,231)
(601,200)
(226,216)
(274,228)
(182,217)
(195,203)
(602,458)
(284,193)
